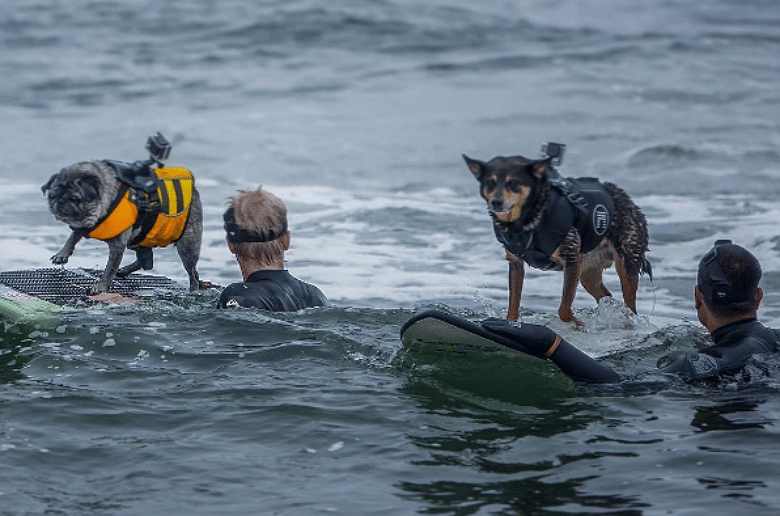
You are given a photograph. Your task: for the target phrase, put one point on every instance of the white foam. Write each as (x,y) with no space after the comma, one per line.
(403,248)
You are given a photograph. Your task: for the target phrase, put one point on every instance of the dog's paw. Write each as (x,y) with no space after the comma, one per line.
(97,288)
(567,316)
(205,285)
(59,259)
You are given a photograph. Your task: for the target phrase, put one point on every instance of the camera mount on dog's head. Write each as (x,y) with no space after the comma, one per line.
(555,151)
(139,173)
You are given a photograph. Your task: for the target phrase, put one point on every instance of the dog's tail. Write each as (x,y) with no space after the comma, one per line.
(647,268)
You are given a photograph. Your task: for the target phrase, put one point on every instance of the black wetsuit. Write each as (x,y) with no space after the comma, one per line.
(274,290)
(733,345)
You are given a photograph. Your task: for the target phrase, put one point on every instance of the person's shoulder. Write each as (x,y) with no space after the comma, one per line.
(775,333)
(227,298)
(275,290)
(309,295)
(243,294)
(317,297)
(311,287)
(314,296)
(737,341)
(769,337)
(234,288)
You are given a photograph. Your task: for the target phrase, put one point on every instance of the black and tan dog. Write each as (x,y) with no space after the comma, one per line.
(580,226)
(138,205)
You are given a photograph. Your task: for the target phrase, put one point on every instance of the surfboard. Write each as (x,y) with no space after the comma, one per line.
(610,330)
(40,295)
(19,307)
(434,330)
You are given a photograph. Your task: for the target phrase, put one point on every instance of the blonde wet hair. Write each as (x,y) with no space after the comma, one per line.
(262,213)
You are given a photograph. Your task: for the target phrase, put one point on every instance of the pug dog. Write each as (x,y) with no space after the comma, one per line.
(82,196)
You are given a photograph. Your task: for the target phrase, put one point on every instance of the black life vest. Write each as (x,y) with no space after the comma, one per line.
(580,203)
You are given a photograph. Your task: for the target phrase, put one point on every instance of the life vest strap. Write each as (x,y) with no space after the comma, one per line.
(165,223)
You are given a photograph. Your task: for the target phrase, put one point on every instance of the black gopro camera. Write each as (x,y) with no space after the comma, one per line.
(140,174)
(159,148)
(555,151)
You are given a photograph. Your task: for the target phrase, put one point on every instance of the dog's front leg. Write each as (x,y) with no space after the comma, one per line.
(516,278)
(629,281)
(67,250)
(571,276)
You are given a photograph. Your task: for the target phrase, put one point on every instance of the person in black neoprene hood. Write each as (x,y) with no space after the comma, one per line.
(257,234)
(727,299)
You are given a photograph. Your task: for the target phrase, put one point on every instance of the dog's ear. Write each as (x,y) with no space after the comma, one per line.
(90,187)
(48,183)
(540,168)
(476,166)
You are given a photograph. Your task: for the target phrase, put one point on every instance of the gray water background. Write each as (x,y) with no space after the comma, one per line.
(356,113)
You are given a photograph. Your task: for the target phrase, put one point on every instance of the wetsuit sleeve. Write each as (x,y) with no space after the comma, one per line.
(541,342)
(696,365)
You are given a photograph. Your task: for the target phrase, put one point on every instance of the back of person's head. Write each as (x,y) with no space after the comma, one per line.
(261,218)
(728,277)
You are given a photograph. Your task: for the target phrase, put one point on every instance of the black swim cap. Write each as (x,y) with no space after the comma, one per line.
(714,284)
(237,234)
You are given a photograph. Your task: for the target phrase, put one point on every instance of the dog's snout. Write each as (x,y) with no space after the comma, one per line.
(496,203)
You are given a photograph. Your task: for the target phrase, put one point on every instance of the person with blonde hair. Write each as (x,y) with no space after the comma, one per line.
(257,234)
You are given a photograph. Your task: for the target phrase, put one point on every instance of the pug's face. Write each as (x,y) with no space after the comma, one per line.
(75,195)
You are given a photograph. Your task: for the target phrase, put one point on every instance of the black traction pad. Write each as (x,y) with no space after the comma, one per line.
(70,287)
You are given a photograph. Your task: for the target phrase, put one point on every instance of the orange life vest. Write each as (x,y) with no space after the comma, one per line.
(162,215)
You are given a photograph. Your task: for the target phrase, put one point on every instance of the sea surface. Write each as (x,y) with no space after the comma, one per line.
(356,113)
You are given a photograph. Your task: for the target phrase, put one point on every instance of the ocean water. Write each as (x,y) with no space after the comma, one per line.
(356,114)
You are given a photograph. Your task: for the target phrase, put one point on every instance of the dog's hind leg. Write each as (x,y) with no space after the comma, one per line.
(188,249)
(592,280)
(144,260)
(190,265)
(629,241)
(629,280)
(188,245)
(516,278)
(592,269)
